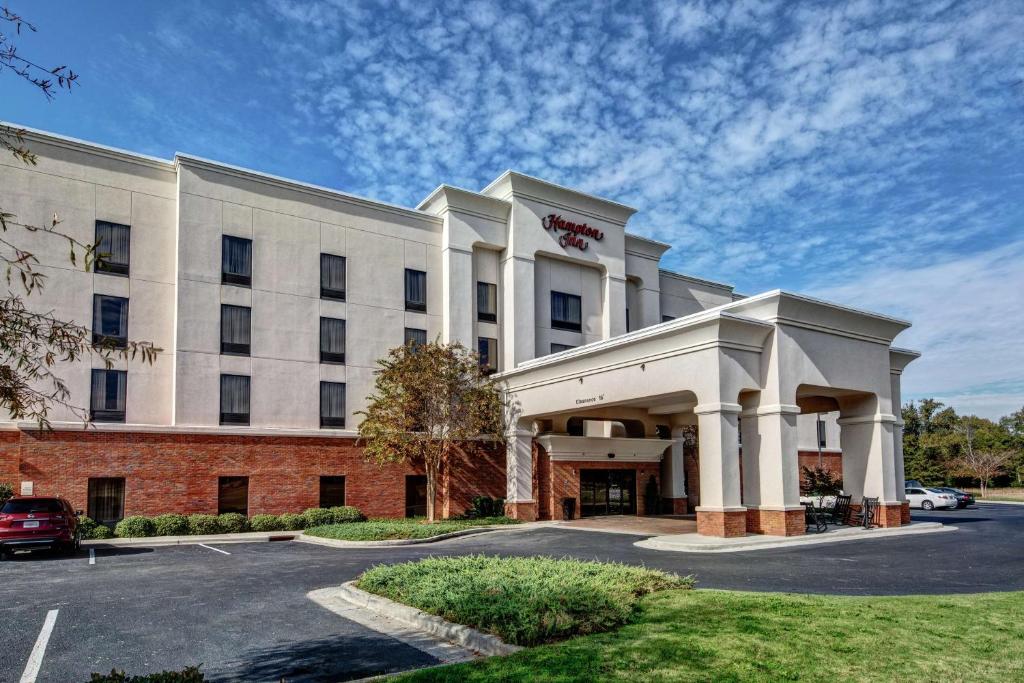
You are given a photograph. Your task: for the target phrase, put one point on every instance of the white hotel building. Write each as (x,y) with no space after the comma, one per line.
(639,390)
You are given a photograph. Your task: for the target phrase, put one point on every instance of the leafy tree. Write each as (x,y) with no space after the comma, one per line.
(984,466)
(32,343)
(428,401)
(820,481)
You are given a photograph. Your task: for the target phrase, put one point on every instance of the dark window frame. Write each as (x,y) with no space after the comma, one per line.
(332,357)
(221,481)
(333,421)
(235,348)
(565,347)
(411,304)
(237,279)
(107,414)
(491,366)
(569,325)
(415,342)
(107,266)
(236,418)
(91,506)
(822,433)
(483,290)
(332,480)
(332,292)
(109,340)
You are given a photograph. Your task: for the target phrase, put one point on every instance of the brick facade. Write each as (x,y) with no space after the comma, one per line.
(555,481)
(178,471)
(776,522)
(729,524)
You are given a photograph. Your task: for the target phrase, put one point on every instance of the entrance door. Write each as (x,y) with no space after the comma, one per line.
(607,492)
(415,495)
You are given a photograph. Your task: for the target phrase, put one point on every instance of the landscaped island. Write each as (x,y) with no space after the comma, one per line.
(395,529)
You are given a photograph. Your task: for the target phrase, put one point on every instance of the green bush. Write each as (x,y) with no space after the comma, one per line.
(265,523)
(391,529)
(189,675)
(6,491)
(203,525)
(86,526)
(523,600)
(318,517)
(135,527)
(233,523)
(485,506)
(292,521)
(345,514)
(171,525)
(101,532)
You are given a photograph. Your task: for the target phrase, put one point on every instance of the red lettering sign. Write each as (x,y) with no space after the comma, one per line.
(572,233)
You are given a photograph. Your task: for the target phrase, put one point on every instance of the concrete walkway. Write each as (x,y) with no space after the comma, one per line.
(661,525)
(695,543)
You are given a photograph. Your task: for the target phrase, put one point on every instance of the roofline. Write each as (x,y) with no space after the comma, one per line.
(510,172)
(691,278)
(822,302)
(321,190)
(445,187)
(633,235)
(94,147)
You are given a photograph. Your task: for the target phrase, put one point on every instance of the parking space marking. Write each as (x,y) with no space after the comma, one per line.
(35,660)
(92,556)
(218,550)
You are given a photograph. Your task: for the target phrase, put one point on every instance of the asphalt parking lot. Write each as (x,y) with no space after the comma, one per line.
(241,610)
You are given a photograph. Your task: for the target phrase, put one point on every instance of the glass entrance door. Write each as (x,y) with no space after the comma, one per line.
(607,492)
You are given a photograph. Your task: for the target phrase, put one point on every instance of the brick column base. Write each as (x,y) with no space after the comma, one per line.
(526,510)
(904,513)
(890,515)
(776,522)
(675,506)
(722,523)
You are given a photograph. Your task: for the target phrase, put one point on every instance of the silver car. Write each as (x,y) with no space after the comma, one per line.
(929,499)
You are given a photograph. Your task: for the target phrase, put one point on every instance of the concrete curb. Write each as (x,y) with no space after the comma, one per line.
(338,543)
(697,544)
(467,637)
(999,502)
(153,541)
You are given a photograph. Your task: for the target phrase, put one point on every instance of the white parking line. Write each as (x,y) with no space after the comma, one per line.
(218,550)
(35,660)
(92,556)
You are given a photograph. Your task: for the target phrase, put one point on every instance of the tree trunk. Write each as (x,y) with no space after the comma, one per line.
(431,490)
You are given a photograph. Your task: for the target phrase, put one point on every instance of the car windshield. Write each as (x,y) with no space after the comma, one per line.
(21,507)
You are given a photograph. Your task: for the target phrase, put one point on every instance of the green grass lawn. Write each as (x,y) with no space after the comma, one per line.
(1008,493)
(391,529)
(720,636)
(526,600)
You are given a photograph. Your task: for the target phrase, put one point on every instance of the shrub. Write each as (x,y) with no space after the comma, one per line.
(820,481)
(86,526)
(135,527)
(188,675)
(171,525)
(485,506)
(292,521)
(233,523)
(6,491)
(265,523)
(318,517)
(203,525)
(101,532)
(346,514)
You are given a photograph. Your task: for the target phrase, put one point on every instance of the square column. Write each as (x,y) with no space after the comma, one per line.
(869,463)
(457,288)
(771,471)
(720,512)
(518,314)
(519,500)
(673,483)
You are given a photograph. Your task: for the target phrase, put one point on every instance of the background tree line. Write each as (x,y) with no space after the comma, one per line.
(943,448)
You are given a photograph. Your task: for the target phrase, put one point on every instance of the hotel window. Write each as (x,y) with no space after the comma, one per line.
(109,321)
(488,351)
(332,340)
(821,433)
(106,500)
(332,277)
(627,320)
(235,330)
(236,261)
(332,492)
(558,348)
(109,391)
(566,312)
(234,400)
(113,248)
(486,302)
(332,405)
(415,290)
(233,495)
(415,337)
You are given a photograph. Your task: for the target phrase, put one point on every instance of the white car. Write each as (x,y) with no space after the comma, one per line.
(929,499)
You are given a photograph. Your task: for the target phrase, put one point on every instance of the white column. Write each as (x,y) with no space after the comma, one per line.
(457,288)
(519,318)
(897,434)
(674,483)
(777,458)
(613,315)
(519,466)
(869,463)
(718,435)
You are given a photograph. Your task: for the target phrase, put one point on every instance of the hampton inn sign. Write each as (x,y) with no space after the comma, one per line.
(573,233)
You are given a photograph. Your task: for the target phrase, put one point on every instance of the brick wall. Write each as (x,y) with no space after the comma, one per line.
(177,472)
(562,480)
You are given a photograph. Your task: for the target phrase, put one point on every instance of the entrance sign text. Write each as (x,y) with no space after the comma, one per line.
(572,233)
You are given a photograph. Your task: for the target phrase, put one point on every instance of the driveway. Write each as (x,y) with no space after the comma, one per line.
(244,615)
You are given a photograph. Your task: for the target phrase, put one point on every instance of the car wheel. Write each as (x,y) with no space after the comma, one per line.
(927,505)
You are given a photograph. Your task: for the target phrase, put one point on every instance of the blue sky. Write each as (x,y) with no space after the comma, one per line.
(868,152)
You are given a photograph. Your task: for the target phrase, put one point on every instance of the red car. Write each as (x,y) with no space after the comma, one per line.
(37,522)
